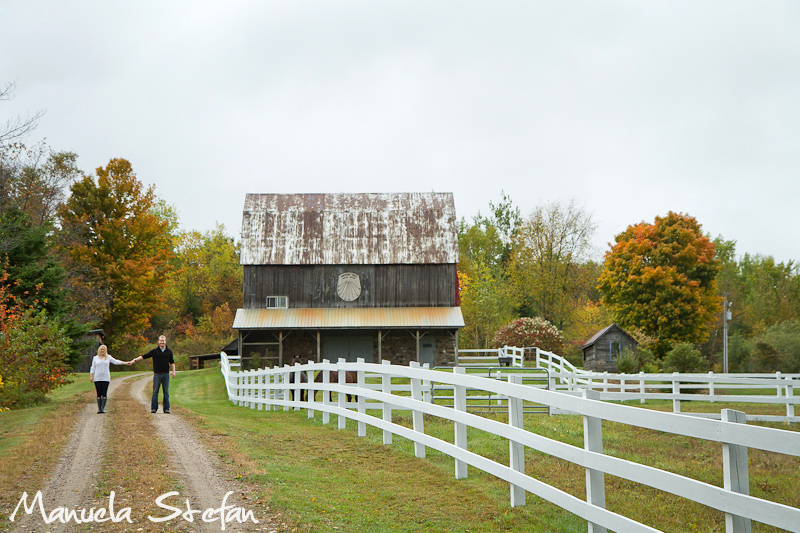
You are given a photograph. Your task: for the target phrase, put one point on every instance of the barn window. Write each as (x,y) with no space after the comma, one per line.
(277,302)
(614,349)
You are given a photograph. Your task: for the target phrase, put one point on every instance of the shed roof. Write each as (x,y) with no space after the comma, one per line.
(602,332)
(351,318)
(349,229)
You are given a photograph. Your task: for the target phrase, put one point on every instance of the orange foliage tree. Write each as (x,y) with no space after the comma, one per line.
(33,351)
(661,279)
(118,247)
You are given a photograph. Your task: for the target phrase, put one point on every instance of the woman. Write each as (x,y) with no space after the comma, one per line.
(101,375)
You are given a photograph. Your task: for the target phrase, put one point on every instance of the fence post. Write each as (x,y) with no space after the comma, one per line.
(261,391)
(515,449)
(641,387)
(778,387)
(253,391)
(309,374)
(734,471)
(789,396)
(427,397)
(386,388)
(274,379)
(460,404)
(362,426)
(419,423)
(326,394)
(711,386)
(285,382)
(341,396)
(238,388)
(595,480)
(296,392)
(676,389)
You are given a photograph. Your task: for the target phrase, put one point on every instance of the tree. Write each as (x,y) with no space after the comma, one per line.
(549,268)
(118,249)
(206,276)
(485,306)
(661,279)
(33,351)
(18,127)
(35,180)
(484,247)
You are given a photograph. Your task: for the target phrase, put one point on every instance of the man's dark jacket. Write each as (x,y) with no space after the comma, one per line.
(161,360)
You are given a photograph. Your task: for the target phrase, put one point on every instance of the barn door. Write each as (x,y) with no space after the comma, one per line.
(427,350)
(349,348)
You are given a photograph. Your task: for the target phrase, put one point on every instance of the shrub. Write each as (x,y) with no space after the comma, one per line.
(627,363)
(685,358)
(784,348)
(529,332)
(33,353)
(642,360)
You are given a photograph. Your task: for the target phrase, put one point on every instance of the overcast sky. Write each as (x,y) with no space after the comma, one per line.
(632,109)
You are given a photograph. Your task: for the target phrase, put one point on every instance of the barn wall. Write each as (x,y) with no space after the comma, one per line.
(381,285)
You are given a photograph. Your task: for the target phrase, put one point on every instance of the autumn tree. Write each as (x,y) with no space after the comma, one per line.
(206,276)
(118,249)
(33,350)
(549,270)
(35,180)
(484,247)
(661,279)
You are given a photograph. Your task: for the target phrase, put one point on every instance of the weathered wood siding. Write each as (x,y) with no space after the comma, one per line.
(381,285)
(598,356)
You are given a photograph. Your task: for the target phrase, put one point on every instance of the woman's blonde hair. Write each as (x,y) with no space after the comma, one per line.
(102,351)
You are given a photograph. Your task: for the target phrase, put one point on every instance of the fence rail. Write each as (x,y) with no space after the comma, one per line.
(271,389)
(778,388)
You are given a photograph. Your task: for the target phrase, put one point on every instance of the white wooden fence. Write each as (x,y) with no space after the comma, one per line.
(508,355)
(778,389)
(270,389)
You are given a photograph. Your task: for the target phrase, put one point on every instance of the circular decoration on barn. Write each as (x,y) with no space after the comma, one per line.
(349,286)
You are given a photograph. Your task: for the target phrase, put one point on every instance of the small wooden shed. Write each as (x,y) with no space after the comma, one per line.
(601,353)
(94,339)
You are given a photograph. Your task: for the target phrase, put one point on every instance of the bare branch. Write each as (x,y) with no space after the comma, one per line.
(16,128)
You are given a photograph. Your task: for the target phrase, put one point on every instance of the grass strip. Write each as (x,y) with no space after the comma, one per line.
(31,441)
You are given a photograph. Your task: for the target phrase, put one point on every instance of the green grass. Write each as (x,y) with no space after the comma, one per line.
(323,479)
(16,424)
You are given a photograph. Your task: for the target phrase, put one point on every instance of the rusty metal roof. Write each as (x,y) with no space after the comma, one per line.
(355,318)
(602,332)
(349,229)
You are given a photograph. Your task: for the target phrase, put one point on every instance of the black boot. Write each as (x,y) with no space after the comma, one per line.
(99,405)
(103,404)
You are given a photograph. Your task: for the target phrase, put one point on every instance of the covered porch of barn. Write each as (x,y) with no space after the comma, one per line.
(273,337)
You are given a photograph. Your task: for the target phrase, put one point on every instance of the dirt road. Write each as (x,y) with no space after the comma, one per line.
(203,481)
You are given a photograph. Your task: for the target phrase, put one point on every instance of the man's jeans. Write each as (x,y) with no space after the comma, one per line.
(160,380)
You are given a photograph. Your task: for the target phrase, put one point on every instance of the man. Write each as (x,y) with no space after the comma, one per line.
(163,366)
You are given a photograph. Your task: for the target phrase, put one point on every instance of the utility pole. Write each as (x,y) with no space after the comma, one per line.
(726,316)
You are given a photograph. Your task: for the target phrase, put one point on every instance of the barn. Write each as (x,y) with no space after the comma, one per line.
(329,276)
(601,353)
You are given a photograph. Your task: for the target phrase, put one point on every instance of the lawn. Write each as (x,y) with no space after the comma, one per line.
(324,479)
